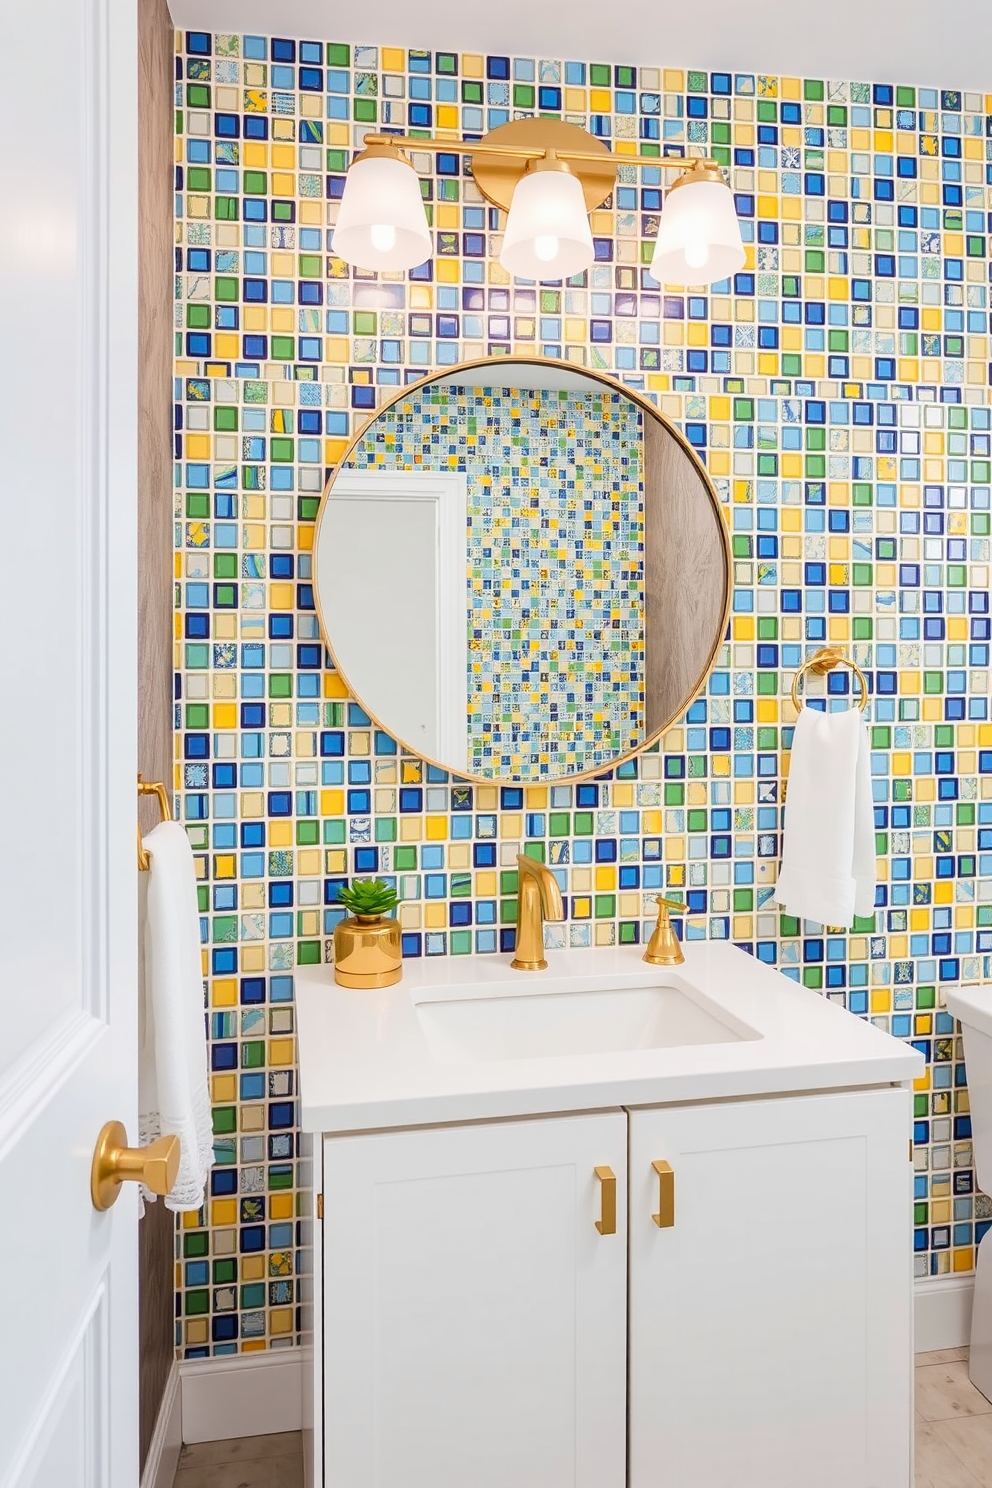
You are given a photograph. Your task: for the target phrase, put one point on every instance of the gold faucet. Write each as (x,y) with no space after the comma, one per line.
(538,899)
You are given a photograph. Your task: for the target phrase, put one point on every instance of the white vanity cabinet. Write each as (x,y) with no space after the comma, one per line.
(476,1319)
(474,1327)
(770,1323)
(474,1316)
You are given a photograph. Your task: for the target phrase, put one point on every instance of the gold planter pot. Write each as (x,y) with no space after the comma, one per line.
(367,952)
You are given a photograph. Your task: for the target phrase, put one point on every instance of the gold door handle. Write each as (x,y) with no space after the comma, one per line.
(114,1163)
(665,1218)
(607,1222)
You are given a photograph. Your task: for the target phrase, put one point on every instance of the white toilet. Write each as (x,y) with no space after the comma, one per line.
(973,1006)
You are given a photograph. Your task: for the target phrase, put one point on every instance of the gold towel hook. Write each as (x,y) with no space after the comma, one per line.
(152,788)
(824,661)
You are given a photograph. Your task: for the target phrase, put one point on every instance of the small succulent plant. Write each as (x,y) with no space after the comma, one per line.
(369,896)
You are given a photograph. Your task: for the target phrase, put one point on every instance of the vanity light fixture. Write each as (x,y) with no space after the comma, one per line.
(547,176)
(381,224)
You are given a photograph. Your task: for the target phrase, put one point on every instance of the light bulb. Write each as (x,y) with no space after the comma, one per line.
(697,253)
(546,248)
(383,237)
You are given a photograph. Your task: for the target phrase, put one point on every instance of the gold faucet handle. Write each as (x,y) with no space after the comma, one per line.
(674,904)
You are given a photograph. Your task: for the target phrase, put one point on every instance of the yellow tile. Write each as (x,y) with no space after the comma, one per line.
(280,834)
(223,992)
(281,1206)
(224,1211)
(223,1088)
(280,1321)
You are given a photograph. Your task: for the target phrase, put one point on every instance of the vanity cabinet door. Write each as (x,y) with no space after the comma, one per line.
(474,1314)
(771,1312)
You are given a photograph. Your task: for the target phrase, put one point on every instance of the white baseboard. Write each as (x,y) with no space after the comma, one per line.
(943,1313)
(242,1395)
(167,1438)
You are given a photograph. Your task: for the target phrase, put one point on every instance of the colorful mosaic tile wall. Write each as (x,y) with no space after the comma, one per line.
(555,566)
(838,390)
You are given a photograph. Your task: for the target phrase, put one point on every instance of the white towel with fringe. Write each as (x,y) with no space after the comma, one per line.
(173,1093)
(828,845)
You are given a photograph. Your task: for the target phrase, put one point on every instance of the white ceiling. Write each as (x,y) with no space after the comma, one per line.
(936,43)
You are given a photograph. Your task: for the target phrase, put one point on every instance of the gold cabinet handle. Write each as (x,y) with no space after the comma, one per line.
(607,1222)
(114,1163)
(665,1218)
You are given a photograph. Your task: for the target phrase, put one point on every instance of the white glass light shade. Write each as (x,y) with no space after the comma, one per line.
(699,236)
(381,222)
(547,232)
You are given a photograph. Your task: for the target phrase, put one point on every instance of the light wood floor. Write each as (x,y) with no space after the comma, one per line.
(244,1462)
(953,1424)
(953,1439)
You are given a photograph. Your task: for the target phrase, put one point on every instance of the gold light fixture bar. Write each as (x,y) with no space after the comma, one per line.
(532,152)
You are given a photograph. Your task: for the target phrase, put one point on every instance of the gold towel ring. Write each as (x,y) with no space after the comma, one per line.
(152,788)
(824,661)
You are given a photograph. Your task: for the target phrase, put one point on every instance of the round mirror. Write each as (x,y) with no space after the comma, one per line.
(522,570)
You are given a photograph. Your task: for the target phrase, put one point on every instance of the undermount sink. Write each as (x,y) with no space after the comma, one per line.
(531,1023)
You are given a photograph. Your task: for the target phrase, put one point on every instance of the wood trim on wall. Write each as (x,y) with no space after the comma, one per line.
(156,52)
(685,576)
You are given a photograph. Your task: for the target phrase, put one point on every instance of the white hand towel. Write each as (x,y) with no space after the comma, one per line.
(173,1094)
(828,848)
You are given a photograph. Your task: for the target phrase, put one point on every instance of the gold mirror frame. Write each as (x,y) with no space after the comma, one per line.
(610,384)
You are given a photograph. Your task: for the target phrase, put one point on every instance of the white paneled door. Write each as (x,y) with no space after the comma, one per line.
(475,1306)
(68,983)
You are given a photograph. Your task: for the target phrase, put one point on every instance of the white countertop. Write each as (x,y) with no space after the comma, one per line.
(365,1061)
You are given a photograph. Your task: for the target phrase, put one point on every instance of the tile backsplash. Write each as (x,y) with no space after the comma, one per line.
(837,389)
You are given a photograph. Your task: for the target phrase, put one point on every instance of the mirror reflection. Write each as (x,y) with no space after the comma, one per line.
(521,571)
